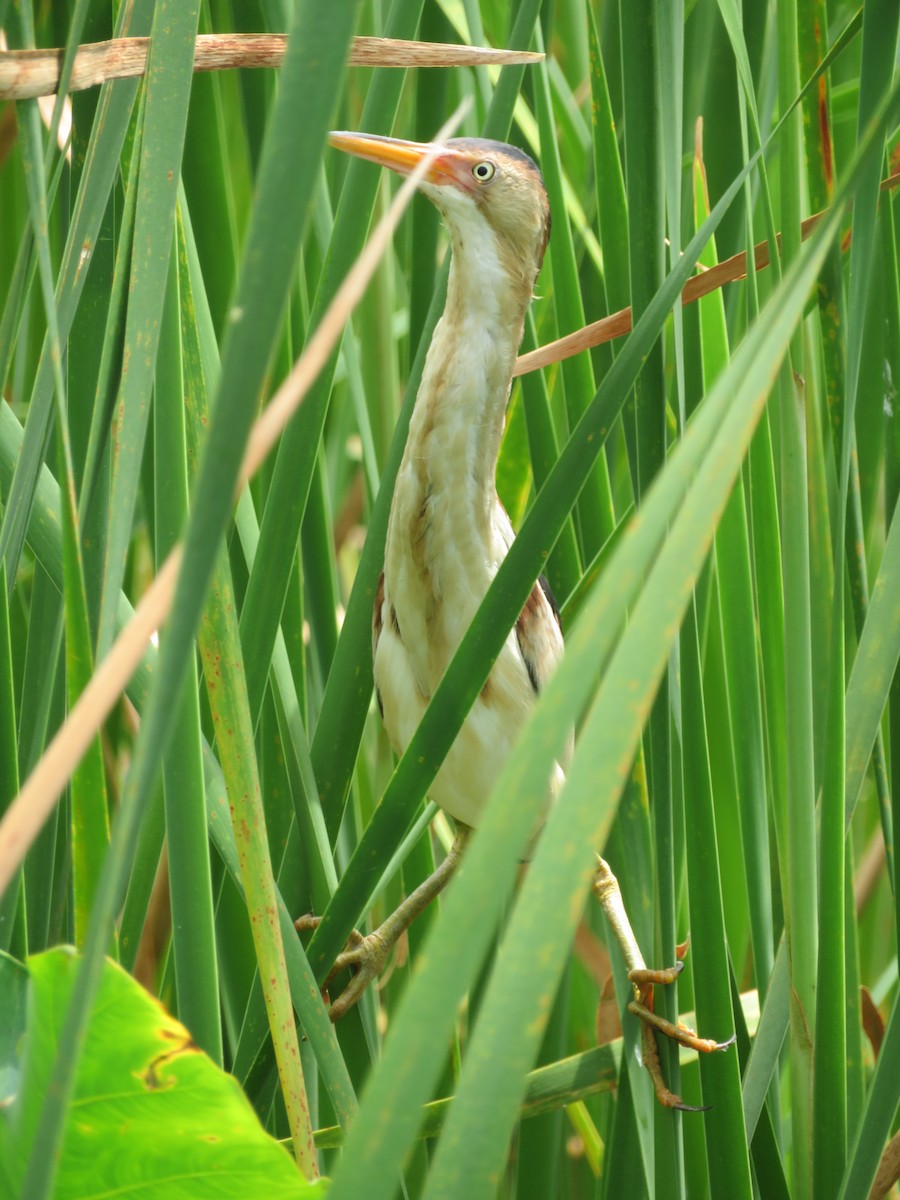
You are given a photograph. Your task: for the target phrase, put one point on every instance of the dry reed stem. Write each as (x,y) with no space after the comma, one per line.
(25,74)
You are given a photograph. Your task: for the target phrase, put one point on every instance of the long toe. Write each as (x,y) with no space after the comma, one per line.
(643,976)
(678,1033)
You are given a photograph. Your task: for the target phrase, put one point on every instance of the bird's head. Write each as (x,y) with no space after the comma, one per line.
(491,195)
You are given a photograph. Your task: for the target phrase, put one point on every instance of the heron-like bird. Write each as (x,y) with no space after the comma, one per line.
(448,533)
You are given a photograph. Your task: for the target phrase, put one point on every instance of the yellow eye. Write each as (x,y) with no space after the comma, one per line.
(484,171)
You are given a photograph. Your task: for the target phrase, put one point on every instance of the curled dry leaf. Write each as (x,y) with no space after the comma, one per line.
(888,1169)
(872,1020)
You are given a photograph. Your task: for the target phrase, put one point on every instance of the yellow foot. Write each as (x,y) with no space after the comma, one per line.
(365,956)
(643,981)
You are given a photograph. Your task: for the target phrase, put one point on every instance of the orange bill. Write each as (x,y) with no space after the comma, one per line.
(451,166)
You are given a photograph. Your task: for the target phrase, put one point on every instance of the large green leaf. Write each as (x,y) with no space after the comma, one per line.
(150,1111)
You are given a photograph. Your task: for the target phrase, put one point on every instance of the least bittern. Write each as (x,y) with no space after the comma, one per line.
(448,532)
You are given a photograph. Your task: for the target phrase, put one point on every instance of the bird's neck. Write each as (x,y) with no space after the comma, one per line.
(447,533)
(458,422)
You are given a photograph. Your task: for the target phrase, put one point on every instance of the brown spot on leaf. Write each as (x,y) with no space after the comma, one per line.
(825,134)
(151,1077)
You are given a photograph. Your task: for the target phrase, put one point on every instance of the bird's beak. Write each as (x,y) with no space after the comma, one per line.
(450,167)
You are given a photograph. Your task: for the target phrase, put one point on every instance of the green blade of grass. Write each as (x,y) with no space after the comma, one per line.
(645,183)
(12,903)
(801,883)
(169,76)
(42,707)
(892,492)
(873,668)
(720,1078)
(223,668)
(563,566)
(725,1125)
(728,1161)
(190,882)
(735,595)
(594,514)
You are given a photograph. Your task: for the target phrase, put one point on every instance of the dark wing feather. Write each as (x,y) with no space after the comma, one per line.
(538,631)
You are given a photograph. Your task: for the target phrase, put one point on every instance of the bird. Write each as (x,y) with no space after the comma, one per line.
(448,533)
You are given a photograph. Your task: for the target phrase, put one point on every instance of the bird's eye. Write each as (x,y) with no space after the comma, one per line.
(484,171)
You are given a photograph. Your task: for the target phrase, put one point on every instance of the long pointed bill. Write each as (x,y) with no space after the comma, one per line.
(452,167)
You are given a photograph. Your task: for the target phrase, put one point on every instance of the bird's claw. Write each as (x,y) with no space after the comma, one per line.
(643,981)
(364,955)
(666,1098)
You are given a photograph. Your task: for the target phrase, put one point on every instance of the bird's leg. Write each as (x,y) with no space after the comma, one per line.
(366,955)
(642,980)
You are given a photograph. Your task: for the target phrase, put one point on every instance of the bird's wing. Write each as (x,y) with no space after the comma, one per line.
(377,623)
(539,634)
